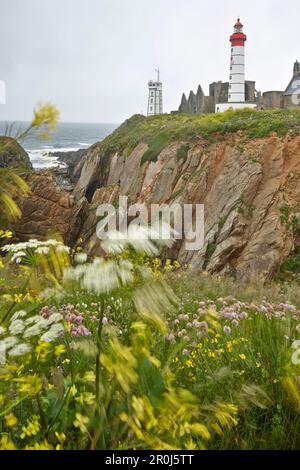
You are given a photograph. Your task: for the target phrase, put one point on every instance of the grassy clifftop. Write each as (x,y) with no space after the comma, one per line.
(159,131)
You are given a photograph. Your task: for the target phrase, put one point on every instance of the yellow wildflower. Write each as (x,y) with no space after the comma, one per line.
(32,427)
(242,357)
(89,376)
(73,390)
(81,422)
(59,350)
(61,437)
(18,298)
(30,384)
(6,443)
(189,363)
(43,350)
(66,361)
(44,445)
(11,421)
(86,398)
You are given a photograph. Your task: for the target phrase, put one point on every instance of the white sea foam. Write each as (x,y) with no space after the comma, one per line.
(44,158)
(68,137)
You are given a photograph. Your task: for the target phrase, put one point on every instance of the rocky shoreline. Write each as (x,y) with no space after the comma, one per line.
(65,174)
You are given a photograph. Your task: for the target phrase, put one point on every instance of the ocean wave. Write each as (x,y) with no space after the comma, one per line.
(43,158)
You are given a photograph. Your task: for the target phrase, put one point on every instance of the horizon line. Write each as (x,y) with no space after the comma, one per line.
(60,122)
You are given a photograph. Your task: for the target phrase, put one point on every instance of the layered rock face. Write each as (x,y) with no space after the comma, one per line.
(249,189)
(48,210)
(248,186)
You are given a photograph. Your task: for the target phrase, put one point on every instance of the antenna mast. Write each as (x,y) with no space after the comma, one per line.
(158,74)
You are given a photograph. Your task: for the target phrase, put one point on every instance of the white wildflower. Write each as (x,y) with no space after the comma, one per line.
(19,314)
(33,330)
(9,342)
(20,250)
(62,249)
(142,238)
(53,293)
(55,331)
(54,318)
(17,257)
(139,239)
(116,242)
(33,319)
(20,350)
(80,258)
(42,250)
(16,327)
(51,243)
(125,272)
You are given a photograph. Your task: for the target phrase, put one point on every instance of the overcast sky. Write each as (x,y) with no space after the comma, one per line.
(93,58)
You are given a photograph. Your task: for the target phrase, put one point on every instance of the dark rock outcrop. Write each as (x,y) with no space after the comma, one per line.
(12,155)
(70,160)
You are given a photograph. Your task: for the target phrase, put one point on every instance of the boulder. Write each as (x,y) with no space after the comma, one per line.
(12,155)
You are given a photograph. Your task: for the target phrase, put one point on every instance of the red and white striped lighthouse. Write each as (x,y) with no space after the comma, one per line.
(236,92)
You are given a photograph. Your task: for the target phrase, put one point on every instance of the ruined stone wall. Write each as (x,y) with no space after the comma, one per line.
(272,99)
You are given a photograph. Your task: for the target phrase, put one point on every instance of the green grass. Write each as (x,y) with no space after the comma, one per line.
(258,352)
(157,144)
(158,131)
(292,264)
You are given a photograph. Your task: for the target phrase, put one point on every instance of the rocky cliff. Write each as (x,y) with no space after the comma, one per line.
(48,209)
(243,166)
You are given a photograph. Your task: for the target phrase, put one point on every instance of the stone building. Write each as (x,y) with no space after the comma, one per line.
(289,98)
(197,103)
(218,93)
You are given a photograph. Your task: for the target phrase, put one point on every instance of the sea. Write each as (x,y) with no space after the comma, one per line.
(67,137)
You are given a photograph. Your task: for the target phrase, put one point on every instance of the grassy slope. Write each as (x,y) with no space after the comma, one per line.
(159,131)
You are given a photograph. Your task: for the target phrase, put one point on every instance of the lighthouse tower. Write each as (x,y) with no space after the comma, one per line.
(155,100)
(236,86)
(236,93)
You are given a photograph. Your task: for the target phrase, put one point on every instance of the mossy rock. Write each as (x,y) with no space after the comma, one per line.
(12,155)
